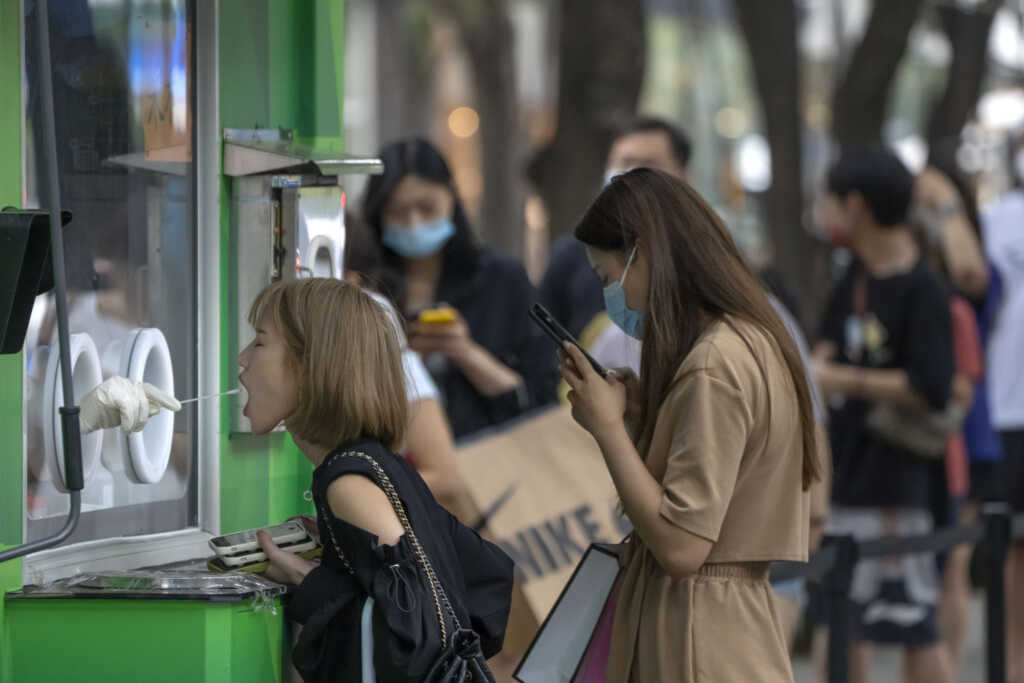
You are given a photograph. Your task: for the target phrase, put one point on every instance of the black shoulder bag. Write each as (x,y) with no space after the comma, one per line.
(408,644)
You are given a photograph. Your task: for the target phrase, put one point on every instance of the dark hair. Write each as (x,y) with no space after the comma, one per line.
(363,255)
(697,275)
(416,156)
(881,179)
(678,140)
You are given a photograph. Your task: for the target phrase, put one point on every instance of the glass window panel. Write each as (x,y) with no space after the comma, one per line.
(122,84)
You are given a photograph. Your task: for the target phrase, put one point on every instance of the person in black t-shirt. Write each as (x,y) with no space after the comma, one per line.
(886,338)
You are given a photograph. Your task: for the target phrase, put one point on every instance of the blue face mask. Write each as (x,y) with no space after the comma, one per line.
(629,321)
(418,241)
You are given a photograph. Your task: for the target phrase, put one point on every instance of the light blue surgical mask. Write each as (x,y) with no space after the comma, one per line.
(418,241)
(629,321)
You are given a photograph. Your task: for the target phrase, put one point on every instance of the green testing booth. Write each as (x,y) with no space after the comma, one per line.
(200,155)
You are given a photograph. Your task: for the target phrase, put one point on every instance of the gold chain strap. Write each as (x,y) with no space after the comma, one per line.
(389,490)
(334,541)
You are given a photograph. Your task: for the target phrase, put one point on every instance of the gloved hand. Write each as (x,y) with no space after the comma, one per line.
(121,401)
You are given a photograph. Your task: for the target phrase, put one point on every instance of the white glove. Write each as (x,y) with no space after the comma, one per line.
(125,402)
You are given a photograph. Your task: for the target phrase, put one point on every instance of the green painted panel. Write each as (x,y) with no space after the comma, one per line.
(289,44)
(11,367)
(111,641)
(281,65)
(244,87)
(10,579)
(329,67)
(244,477)
(291,475)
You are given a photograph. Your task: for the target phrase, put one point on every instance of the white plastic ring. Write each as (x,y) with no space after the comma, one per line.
(146,358)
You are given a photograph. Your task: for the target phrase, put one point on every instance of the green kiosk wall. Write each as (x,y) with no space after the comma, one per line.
(280,65)
(292,80)
(11,460)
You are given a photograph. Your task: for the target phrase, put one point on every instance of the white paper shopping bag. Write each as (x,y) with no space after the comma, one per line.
(557,650)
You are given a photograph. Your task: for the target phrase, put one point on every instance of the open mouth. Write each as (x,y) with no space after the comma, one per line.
(245,409)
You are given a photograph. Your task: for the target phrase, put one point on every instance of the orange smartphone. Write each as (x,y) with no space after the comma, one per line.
(437,316)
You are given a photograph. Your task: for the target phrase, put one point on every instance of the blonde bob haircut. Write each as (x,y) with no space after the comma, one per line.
(347,361)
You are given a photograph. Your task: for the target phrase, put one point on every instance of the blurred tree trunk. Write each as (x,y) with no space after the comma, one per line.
(859,106)
(602,45)
(968,32)
(770,28)
(486,32)
(405,92)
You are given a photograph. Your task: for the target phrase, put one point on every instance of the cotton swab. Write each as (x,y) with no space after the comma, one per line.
(202,398)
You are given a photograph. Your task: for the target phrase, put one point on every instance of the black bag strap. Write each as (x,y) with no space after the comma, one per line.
(382,480)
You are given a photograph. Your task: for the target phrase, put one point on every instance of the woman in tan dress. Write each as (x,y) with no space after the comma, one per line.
(711,449)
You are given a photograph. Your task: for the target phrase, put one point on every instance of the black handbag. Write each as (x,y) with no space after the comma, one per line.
(417,634)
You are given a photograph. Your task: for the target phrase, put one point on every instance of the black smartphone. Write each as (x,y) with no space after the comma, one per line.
(559,334)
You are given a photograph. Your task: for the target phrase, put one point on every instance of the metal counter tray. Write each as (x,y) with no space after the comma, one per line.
(159,584)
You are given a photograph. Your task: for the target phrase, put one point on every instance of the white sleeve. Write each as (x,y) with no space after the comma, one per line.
(793,327)
(392,314)
(419,385)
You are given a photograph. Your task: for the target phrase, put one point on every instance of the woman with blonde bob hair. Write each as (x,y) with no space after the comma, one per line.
(326,362)
(711,449)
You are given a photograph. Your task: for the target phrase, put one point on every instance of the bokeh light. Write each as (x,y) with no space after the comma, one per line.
(730,122)
(463,122)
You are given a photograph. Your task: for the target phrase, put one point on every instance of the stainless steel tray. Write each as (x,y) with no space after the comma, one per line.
(157,584)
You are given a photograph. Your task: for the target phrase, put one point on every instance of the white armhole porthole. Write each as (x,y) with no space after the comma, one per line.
(85,376)
(146,358)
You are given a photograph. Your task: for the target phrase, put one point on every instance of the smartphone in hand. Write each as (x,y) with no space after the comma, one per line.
(437,316)
(559,334)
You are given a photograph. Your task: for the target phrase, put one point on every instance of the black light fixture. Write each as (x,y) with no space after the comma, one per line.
(26,270)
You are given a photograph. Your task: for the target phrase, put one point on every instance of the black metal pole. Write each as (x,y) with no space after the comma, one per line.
(837,600)
(996,517)
(69,413)
(70,430)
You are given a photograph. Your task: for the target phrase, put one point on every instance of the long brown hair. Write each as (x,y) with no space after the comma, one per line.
(697,276)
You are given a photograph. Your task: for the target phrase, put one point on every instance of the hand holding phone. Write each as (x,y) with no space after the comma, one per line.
(442,315)
(559,335)
(245,541)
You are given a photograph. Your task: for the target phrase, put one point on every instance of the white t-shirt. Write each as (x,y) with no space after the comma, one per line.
(1003,226)
(791,325)
(613,348)
(419,385)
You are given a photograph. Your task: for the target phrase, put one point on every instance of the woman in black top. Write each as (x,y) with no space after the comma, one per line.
(326,363)
(490,362)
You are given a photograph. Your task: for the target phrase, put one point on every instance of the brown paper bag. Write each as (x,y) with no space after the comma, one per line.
(547,495)
(162,139)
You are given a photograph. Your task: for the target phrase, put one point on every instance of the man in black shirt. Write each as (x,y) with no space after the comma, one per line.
(886,339)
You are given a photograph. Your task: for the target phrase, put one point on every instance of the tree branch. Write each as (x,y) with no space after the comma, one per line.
(860,100)
(968,33)
(486,33)
(602,48)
